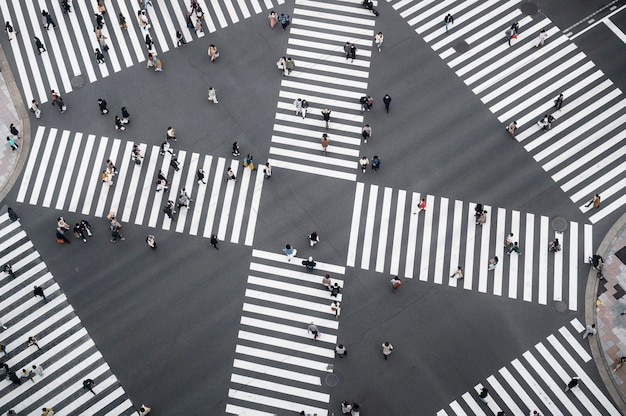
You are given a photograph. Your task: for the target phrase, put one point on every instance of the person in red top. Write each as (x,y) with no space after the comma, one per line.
(421,206)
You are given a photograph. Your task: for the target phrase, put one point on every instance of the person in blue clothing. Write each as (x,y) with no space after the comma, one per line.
(375,163)
(284,20)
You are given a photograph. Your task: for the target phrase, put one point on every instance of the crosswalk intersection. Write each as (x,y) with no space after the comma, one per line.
(278,367)
(325,78)
(68,355)
(63,172)
(537,381)
(70,47)
(389,234)
(584,152)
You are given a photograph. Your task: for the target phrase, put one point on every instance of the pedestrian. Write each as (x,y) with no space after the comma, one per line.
(214,241)
(290,252)
(102,104)
(200,175)
(34,108)
(180,39)
(448,20)
(40,47)
(458,273)
(304,106)
(142,19)
(10,31)
(101,39)
(309,263)
(236,149)
(387,349)
(99,56)
(60,233)
(363,162)
(514,248)
(335,289)
(346,49)
(558,103)
(26,375)
(346,408)
(14,378)
(154,62)
(47,411)
(171,134)
(169,210)
(511,128)
(213,53)
(312,328)
(111,167)
(554,246)
(115,232)
(56,99)
(421,206)
(151,241)
(595,201)
(273,16)
(88,385)
(213,95)
(101,9)
(326,281)
(298,104)
(14,131)
(174,163)
(122,20)
(590,330)
(541,38)
(326,116)
(267,170)
(290,64)
(119,125)
(325,142)
(508,35)
(334,307)
(47,20)
(3,348)
(248,162)
(183,198)
(619,361)
(387,102)
(166,148)
(483,218)
(144,410)
(106,177)
(37,369)
(125,116)
(572,383)
(230,175)
(161,185)
(515,28)
(395,283)
(484,392)
(341,351)
(313,238)
(149,43)
(366,132)
(8,270)
(493,262)
(38,291)
(378,39)
(352,52)
(375,163)
(284,20)
(66,6)
(369,102)
(12,214)
(12,144)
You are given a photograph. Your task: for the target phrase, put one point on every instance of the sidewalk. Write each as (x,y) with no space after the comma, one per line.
(606,311)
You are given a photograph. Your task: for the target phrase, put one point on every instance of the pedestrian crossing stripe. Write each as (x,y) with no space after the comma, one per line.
(70,47)
(278,367)
(50,179)
(584,152)
(543,371)
(389,234)
(68,355)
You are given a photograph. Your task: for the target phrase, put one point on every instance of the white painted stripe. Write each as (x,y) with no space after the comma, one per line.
(254,207)
(350,30)
(483,272)
(574,343)
(536,388)
(412,238)
(121,41)
(369,227)
(278,387)
(241,204)
(121,409)
(513,260)
(43,166)
(215,6)
(90,40)
(134,33)
(469,248)
(396,250)
(200,193)
(384,230)
(156,26)
(471,402)
(441,241)
(289,345)
(326,79)
(244,411)
(111,55)
(318,159)
(291,316)
(19,62)
(442,413)
(577,325)
(315,133)
(491,404)
(615,205)
(323,101)
(292,288)
(123,167)
(268,255)
(596,184)
(285,329)
(350,8)
(191,179)
(542,283)
(306,276)
(340,18)
(457,409)
(303,86)
(588,243)
(65,37)
(278,403)
(286,300)
(104,188)
(504,395)
(134,183)
(528,259)
(233,13)
(149,187)
(500,234)
(416,7)
(586,380)
(455,244)
(330,37)
(256,6)
(228,200)
(402,3)
(312,169)
(215,192)
(175,187)
(573,267)
(426,237)
(327,57)
(316,146)
(181,25)
(354,226)
(440,10)
(94,176)
(69,168)
(82,173)
(277,372)
(616,30)
(558,267)
(517,388)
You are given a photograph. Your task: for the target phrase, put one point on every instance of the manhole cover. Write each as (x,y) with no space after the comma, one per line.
(331,380)
(461,47)
(559,224)
(77,82)
(529,8)
(560,306)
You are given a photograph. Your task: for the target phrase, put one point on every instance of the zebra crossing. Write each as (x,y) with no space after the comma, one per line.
(585,151)
(278,368)
(66,352)
(326,79)
(537,382)
(63,171)
(70,47)
(391,235)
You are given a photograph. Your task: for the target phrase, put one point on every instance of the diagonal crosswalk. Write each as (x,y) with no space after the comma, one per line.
(278,367)
(325,79)
(536,382)
(63,171)
(389,234)
(70,47)
(585,151)
(66,352)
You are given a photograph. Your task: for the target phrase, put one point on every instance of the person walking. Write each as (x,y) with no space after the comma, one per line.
(200,175)
(3,348)
(236,151)
(421,206)
(595,201)
(482,219)
(149,43)
(144,410)
(14,131)
(40,47)
(168,209)
(122,21)
(284,20)
(572,383)
(102,104)
(448,21)
(34,108)
(366,132)
(10,31)
(171,134)
(375,163)
(341,351)
(325,142)
(183,198)
(12,214)
(554,246)
(387,102)
(214,241)
(37,369)
(352,52)
(558,103)
(514,248)
(493,262)
(335,289)
(248,162)
(32,341)
(38,291)
(230,175)
(309,263)
(363,162)
(166,148)
(213,95)
(27,375)
(99,56)
(290,64)
(387,349)
(298,104)
(378,39)
(326,116)
(56,99)
(395,283)
(508,35)
(119,124)
(312,328)
(213,53)
(458,273)
(107,177)
(511,128)
(334,307)
(267,170)
(273,17)
(88,385)
(304,106)
(47,20)
(12,144)
(313,238)
(151,241)
(346,49)
(590,330)
(541,38)
(180,39)
(290,252)
(483,395)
